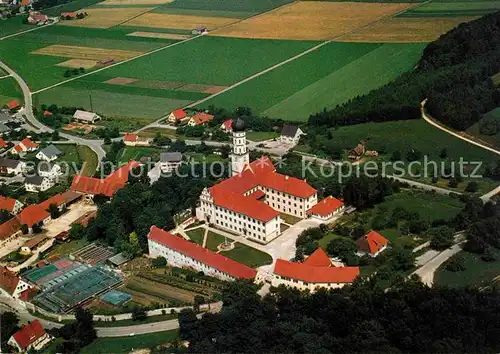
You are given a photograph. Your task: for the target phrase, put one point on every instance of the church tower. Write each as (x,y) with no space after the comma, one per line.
(239,157)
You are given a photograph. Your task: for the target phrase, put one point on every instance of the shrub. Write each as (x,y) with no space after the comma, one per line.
(455,264)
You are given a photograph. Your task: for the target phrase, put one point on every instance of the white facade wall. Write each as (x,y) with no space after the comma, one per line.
(361,254)
(289,204)
(301,285)
(42,156)
(20,287)
(54,173)
(46,184)
(239,157)
(167,167)
(36,345)
(329,216)
(177,259)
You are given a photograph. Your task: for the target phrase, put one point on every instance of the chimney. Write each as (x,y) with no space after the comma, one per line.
(286,177)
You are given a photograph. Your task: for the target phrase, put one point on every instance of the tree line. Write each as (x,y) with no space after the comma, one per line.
(454,74)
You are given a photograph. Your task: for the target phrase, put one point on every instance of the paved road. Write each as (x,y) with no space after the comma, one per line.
(30,30)
(95,145)
(426,272)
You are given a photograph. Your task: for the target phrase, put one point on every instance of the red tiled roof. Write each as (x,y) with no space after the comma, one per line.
(58,200)
(8,280)
(35,241)
(32,214)
(3,143)
(107,186)
(28,294)
(318,259)
(309,274)
(326,207)
(28,143)
(9,227)
(25,2)
(228,124)
(7,203)
(258,194)
(18,148)
(13,104)
(66,14)
(372,242)
(201,118)
(203,255)
(29,334)
(130,137)
(179,114)
(47,113)
(229,193)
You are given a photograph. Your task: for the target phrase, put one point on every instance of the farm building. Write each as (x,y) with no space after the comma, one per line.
(326,209)
(135,140)
(371,244)
(30,337)
(86,117)
(13,104)
(169,161)
(200,119)
(49,153)
(200,30)
(36,18)
(357,152)
(11,205)
(290,134)
(11,283)
(9,230)
(317,271)
(184,254)
(177,116)
(68,15)
(33,244)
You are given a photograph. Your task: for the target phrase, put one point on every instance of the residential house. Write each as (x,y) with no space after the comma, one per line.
(199,30)
(182,253)
(326,209)
(134,140)
(200,119)
(3,143)
(38,183)
(11,283)
(86,117)
(371,244)
(357,152)
(10,166)
(30,338)
(13,104)
(227,126)
(68,15)
(169,161)
(25,145)
(49,170)
(49,153)
(177,116)
(37,18)
(290,134)
(11,205)
(317,271)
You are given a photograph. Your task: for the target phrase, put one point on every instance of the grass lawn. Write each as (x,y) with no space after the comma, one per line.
(248,255)
(137,152)
(119,345)
(477,272)
(66,248)
(197,235)
(327,238)
(9,91)
(150,319)
(214,240)
(290,219)
(261,136)
(323,78)
(13,25)
(151,133)
(89,160)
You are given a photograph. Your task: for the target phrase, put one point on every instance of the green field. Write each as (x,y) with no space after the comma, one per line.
(260,136)
(241,6)
(9,90)
(323,78)
(452,8)
(69,7)
(477,272)
(123,345)
(168,9)
(13,25)
(196,235)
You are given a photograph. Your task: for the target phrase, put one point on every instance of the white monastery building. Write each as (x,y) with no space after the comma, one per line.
(250,202)
(182,253)
(317,271)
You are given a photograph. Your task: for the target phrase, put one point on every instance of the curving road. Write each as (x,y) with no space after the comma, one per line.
(95,145)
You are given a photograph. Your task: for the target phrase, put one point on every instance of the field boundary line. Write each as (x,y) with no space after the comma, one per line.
(131,18)
(26,31)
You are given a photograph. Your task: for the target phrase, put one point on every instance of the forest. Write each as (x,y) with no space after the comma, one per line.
(363,318)
(454,74)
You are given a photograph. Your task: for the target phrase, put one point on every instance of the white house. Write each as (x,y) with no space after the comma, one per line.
(182,253)
(327,209)
(25,145)
(134,140)
(11,283)
(38,183)
(169,161)
(200,119)
(49,153)
(317,271)
(10,166)
(11,205)
(290,134)
(29,338)
(177,116)
(86,117)
(49,170)
(371,244)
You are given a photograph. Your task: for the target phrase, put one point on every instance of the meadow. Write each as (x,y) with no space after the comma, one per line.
(69,7)
(242,6)
(442,9)
(321,79)
(9,90)
(13,25)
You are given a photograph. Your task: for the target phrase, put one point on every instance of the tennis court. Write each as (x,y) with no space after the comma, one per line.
(116,298)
